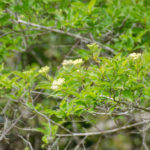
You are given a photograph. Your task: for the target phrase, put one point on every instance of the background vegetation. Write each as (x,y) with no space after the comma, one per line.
(74,74)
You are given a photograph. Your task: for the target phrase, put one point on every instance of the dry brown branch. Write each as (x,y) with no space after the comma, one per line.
(127,103)
(81,142)
(5,131)
(77,36)
(26,141)
(105,131)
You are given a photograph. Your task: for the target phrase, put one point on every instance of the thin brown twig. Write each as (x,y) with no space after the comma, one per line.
(81,142)
(68,144)
(105,131)
(127,103)
(5,131)
(77,36)
(72,48)
(26,141)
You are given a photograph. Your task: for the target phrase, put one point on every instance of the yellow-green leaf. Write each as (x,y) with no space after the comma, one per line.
(91,5)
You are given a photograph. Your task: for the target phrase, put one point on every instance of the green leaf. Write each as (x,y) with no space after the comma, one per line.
(45,139)
(91,5)
(127,94)
(79,110)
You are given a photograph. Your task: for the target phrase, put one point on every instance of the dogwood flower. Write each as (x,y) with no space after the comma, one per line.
(77,61)
(67,62)
(44,69)
(57,83)
(72,62)
(135,55)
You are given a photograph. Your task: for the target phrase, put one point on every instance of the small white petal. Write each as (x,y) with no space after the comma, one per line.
(44,69)
(57,83)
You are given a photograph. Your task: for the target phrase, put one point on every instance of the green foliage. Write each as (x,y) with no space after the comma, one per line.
(84,87)
(78,86)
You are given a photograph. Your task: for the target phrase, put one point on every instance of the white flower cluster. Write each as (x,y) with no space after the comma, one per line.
(44,69)
(72,62)
(57,83)
(135,55)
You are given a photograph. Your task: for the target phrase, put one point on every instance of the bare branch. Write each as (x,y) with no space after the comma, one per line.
(81,142)
(127,103)
(105,131)
(144,141)
(116,114)
(83,39)
(26,141)
(5,131)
